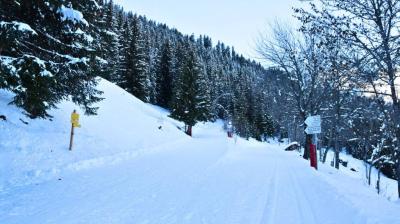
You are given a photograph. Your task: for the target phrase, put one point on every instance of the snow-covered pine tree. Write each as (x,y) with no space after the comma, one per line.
(135,79)
(203,97)
(44,58)
(110,42)
(165,76)
(190,104)
(124,49)
(150,57)
(263,122)
(241,106)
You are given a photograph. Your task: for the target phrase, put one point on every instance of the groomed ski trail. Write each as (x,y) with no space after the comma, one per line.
(209,179)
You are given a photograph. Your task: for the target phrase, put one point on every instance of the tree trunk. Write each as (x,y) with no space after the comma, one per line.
(378,182)
(189,130)
(306,154)
(398,177)
(325,154)
(366,148)
(328,146)
(337,149)
(396,107)
(321,152)
(369,174)
(397,114)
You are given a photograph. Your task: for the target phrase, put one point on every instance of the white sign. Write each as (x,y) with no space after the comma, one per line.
(313,130)
(313,120)
(313,124)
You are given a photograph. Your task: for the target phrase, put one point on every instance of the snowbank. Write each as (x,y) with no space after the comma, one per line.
(388,186)
(38,150)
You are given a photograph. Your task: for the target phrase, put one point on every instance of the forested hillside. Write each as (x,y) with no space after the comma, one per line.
(53,50)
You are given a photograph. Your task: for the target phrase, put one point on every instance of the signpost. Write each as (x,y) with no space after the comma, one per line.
(74,124)
(313,127)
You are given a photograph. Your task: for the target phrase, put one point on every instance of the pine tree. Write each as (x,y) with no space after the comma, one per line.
(165,76)
(190,104)
(135,79)
(44,57)
(110,42)
(149,58)
(124,50)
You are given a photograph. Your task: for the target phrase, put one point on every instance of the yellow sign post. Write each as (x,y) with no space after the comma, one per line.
(74,124)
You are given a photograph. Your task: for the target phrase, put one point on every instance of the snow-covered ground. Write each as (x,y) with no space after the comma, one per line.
(124,169)
(124,128)
(388,186)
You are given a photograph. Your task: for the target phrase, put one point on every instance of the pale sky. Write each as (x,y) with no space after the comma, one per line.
(235,22)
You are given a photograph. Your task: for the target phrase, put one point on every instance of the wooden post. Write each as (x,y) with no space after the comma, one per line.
(71,140)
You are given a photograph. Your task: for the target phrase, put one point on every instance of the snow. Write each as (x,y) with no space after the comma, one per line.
(72,15)
(388,186)
(77,60)
(23,27)
(79,31)
(101,60)
(88,38)
(116,130)
(111,33)
(42,65)
(8,63)
(95,3)
(124,168)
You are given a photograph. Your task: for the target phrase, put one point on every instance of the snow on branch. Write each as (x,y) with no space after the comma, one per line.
(8,63)
(72,15)
(23,27)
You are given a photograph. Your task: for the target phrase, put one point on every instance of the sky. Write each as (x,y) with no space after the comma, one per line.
(237,23)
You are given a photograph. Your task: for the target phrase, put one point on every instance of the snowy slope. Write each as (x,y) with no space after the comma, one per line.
(124,127)
(388,186)
(123,169)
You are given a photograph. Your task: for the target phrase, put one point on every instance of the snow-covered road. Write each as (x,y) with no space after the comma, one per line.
(209,179)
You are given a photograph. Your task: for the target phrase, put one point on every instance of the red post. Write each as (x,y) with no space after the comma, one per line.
(313,156)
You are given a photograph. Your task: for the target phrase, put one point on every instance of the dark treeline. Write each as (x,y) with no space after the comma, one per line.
(53,50)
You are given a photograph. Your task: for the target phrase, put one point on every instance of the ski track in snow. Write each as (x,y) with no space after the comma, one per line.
(200,181)
(269,211)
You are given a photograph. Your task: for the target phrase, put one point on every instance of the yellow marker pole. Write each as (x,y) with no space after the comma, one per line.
(74,123)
